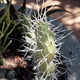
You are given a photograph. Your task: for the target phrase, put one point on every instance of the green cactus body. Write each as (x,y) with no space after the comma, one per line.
(43,36)
(45,41)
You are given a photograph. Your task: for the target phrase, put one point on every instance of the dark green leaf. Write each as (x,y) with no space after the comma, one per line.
(56,10)
(43,10)
(60,9)
(23,7)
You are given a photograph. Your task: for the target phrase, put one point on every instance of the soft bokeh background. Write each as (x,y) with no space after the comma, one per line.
(71,22)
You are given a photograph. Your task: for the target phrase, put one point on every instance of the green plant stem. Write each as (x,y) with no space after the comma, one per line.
(7,27)
(7,45)
(4,4)
(3,26)
(2,60)
(1,41)
(5,12)
(8,35)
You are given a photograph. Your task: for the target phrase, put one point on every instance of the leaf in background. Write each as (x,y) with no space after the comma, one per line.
(59,9)
(56,10)
(13,11)
(43,10)
(23,7)
(16,33)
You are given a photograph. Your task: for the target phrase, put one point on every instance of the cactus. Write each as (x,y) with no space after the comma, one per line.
(40,42)
(45,41)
